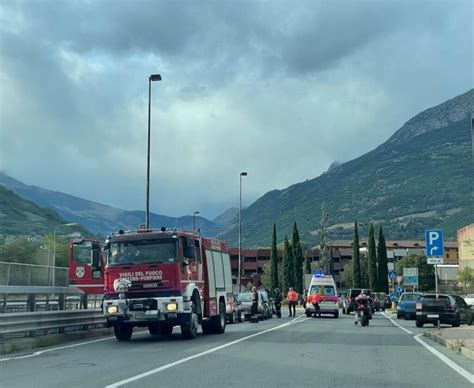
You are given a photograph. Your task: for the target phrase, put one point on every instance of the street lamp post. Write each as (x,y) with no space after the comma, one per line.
(240,231)
(151,78)
(194,220)
(54,244)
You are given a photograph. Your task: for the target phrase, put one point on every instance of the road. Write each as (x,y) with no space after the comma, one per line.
(287,352)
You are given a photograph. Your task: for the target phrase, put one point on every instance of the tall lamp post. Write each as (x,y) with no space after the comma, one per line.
(151,78)
(194,220)
(240,232)
(54,244)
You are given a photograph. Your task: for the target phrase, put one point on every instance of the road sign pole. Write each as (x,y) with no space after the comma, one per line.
(436,279)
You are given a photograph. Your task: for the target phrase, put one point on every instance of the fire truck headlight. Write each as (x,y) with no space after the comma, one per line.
(171,307)
(112,309)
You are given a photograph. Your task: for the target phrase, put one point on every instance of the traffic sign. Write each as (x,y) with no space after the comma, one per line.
(393,297)
(434,243)
(399,289)
(435,260)
(392,275)
(410,276)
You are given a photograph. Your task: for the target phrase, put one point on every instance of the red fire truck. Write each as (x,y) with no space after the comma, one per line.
(86,265)
(164,278)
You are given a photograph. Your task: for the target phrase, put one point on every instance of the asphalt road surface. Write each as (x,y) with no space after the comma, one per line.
(287,352)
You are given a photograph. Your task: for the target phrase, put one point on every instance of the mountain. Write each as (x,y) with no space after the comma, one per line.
(422,177)
(21,217)
(226,217)
(99,218)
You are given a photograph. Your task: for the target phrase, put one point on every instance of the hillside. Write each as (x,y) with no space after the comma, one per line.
(422,177)
(21,217)
(99,218)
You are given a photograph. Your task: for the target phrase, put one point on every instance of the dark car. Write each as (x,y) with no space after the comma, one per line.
(406,307)
(448,309)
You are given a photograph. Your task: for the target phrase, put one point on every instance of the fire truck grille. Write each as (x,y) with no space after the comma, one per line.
(142,305)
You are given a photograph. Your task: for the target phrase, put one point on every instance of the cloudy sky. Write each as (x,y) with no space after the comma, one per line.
(276,88)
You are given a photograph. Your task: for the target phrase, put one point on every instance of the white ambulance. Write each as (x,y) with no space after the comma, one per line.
(326,288)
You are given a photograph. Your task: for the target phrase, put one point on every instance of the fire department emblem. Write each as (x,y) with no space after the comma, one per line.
(122,284)
(80,272)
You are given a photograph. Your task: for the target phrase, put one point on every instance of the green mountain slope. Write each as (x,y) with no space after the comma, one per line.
(21,217)
(99,218)
(422,177)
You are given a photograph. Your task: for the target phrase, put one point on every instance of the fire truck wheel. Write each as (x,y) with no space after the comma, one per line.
(123,332)
(189,329)
(219,323)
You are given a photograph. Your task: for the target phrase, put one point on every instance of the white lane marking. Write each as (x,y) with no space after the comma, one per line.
(40,352)
(172,364)
(396,324)
(446,360)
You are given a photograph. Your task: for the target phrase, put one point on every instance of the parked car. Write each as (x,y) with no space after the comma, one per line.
(232,310)
(469,299)
(383,298)
(245,306)
(406,307)
(448,309)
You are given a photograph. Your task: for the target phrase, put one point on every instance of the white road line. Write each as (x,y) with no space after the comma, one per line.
(396,324)
(172,364)
(446,360)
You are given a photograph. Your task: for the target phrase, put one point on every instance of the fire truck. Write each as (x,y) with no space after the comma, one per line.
(164,278)
(86,265)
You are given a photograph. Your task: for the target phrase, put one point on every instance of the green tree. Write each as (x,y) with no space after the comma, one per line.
(426,275)
(466,278)
(274,261)
(347,275)
(325,257)
(288,267)
(364,271)
(62,249)
(298,259)
(356,268)
(20,250)
(249,286)
(382,266)
(307,264)
(266,277)
(372,259)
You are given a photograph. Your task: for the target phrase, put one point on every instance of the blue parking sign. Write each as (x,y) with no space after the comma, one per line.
(434,243)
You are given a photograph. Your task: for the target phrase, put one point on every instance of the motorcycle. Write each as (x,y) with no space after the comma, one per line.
(363,313)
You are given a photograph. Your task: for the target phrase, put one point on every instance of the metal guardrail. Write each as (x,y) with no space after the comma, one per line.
(42,323)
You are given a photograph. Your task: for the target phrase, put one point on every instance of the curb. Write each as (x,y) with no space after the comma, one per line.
(454,345)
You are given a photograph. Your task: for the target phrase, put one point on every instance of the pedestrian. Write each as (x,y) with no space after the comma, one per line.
(305,296)
(292,300)
(278,302)
(254,308)
(315,300)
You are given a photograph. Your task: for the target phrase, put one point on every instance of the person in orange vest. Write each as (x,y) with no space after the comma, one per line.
(292,299)
(315,301)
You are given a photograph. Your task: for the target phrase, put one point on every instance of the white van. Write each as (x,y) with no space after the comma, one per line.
(326,288)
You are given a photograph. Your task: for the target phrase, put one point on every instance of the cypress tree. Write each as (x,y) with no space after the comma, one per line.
(356,270)
(364,271)
(298,259)
(288,267)
(274,260)
(382,266)
(325,255)
(372,259)
(307,264)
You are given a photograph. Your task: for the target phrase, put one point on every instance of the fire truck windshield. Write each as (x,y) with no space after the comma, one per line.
(81,253)
(143,251)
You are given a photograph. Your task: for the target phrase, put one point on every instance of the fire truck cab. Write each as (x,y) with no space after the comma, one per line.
(165,278)
(86,265)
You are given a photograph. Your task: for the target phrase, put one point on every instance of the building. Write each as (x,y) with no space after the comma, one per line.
(253,260)
(466,246)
